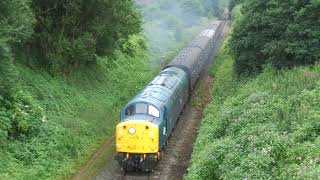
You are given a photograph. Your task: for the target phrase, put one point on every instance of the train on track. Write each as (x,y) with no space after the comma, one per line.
(149,118)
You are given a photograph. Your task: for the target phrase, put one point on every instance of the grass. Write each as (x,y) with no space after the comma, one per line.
(79,112)
(95,166)
(260,128)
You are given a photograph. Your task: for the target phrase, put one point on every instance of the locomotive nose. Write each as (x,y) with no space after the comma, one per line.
(137,137)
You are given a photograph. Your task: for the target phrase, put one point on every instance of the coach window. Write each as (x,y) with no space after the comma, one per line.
(153,111)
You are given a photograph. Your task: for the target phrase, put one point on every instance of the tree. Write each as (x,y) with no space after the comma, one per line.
(206,8)
(16,22)
(249,36)
(281,33)
(233,3)
(71,33)
(300,41)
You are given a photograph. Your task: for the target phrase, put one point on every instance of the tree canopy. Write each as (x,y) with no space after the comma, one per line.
(16,22)
(69,33)
(280,33)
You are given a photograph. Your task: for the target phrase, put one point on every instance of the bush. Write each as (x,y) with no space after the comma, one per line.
(234,3)
(18,117)
(16,26)
(281,33)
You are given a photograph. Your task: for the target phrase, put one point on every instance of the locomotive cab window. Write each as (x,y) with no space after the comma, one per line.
(153,111)
(142,108)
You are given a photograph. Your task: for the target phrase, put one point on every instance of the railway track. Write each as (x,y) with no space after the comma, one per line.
(175,157)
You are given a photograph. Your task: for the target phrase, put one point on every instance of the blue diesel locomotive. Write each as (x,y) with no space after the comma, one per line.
(148,119)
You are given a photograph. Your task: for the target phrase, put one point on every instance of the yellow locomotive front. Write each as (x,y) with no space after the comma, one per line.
(137,145)
(137,136)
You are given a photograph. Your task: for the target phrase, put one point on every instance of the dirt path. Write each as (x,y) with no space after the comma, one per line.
(84,172)
(175,158)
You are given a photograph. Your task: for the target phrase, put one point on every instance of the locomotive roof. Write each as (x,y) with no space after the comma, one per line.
(158,92)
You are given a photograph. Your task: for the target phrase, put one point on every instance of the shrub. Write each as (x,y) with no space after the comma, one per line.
(281,33)
(17,117)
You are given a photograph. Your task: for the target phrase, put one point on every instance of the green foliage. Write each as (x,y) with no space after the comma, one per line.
(50,125)
(262,128)
(76,114)
(234,3)
(71,33)
(16,27)
(16,21)
(18,117)
(6,75)
(236,13)
(134,44)
(282,33)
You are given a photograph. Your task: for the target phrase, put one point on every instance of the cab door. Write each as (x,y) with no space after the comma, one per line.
(163,131)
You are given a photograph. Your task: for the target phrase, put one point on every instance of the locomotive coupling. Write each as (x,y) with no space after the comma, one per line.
(134,162)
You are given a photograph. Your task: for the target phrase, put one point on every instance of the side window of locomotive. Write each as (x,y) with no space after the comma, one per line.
(130,111)
(153,111)
(141,108)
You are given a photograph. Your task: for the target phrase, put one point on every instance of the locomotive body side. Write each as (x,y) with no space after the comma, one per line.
(179,97)
(148,119)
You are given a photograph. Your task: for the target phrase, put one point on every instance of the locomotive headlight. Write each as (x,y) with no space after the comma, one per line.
(132,130)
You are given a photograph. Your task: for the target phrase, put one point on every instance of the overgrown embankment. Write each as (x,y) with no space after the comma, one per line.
(263,121)
(77,115)
(262,127)
(66,67)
